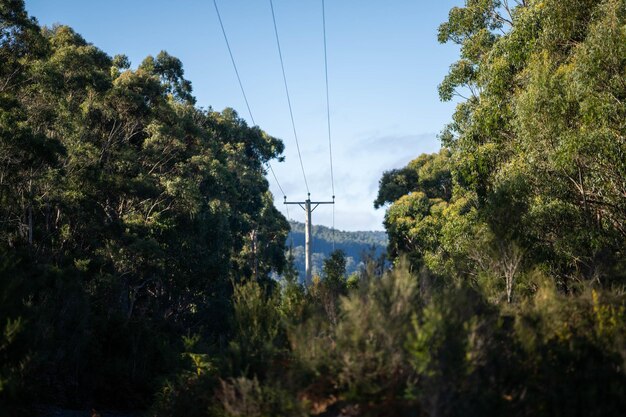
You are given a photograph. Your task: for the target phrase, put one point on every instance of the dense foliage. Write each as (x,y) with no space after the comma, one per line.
(533,173)
(395,345)
(138,237)
(125,215)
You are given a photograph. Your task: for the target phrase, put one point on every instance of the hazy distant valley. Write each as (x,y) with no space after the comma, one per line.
(354,244)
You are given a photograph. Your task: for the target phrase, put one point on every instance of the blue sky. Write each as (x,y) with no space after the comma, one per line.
(384,67)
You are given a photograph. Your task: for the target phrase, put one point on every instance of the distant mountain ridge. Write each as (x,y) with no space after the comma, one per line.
(354,244)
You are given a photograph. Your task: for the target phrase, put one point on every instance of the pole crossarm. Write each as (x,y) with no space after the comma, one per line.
(310,202)
(302,204)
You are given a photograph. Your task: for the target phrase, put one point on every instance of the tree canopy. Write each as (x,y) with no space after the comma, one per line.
(127,206)
(535,151)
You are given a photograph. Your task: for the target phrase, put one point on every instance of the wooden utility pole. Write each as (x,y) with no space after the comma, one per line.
(308,206)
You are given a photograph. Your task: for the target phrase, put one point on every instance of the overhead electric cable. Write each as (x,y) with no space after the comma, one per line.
(232,59)
(243,91)
(330,146)
(278,183)
(293,124)
(276,178)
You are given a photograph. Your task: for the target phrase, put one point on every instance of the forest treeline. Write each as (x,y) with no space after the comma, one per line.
(138,237)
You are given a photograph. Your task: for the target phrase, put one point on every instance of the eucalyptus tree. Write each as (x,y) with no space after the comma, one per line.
(536,142)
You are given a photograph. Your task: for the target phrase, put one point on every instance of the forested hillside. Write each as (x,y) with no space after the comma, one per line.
(138,238)
(357,247)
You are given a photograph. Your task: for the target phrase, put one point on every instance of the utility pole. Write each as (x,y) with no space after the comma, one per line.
(306,206)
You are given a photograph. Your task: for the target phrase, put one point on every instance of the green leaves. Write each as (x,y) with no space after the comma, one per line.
(170,71)
(111,176)
(539,134)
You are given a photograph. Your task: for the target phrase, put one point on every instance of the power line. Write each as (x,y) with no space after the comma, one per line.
(293,124)
(330,146)
(279,187)
(276,178)
(232,59)
(243,91)
(277,183)
(307,205)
